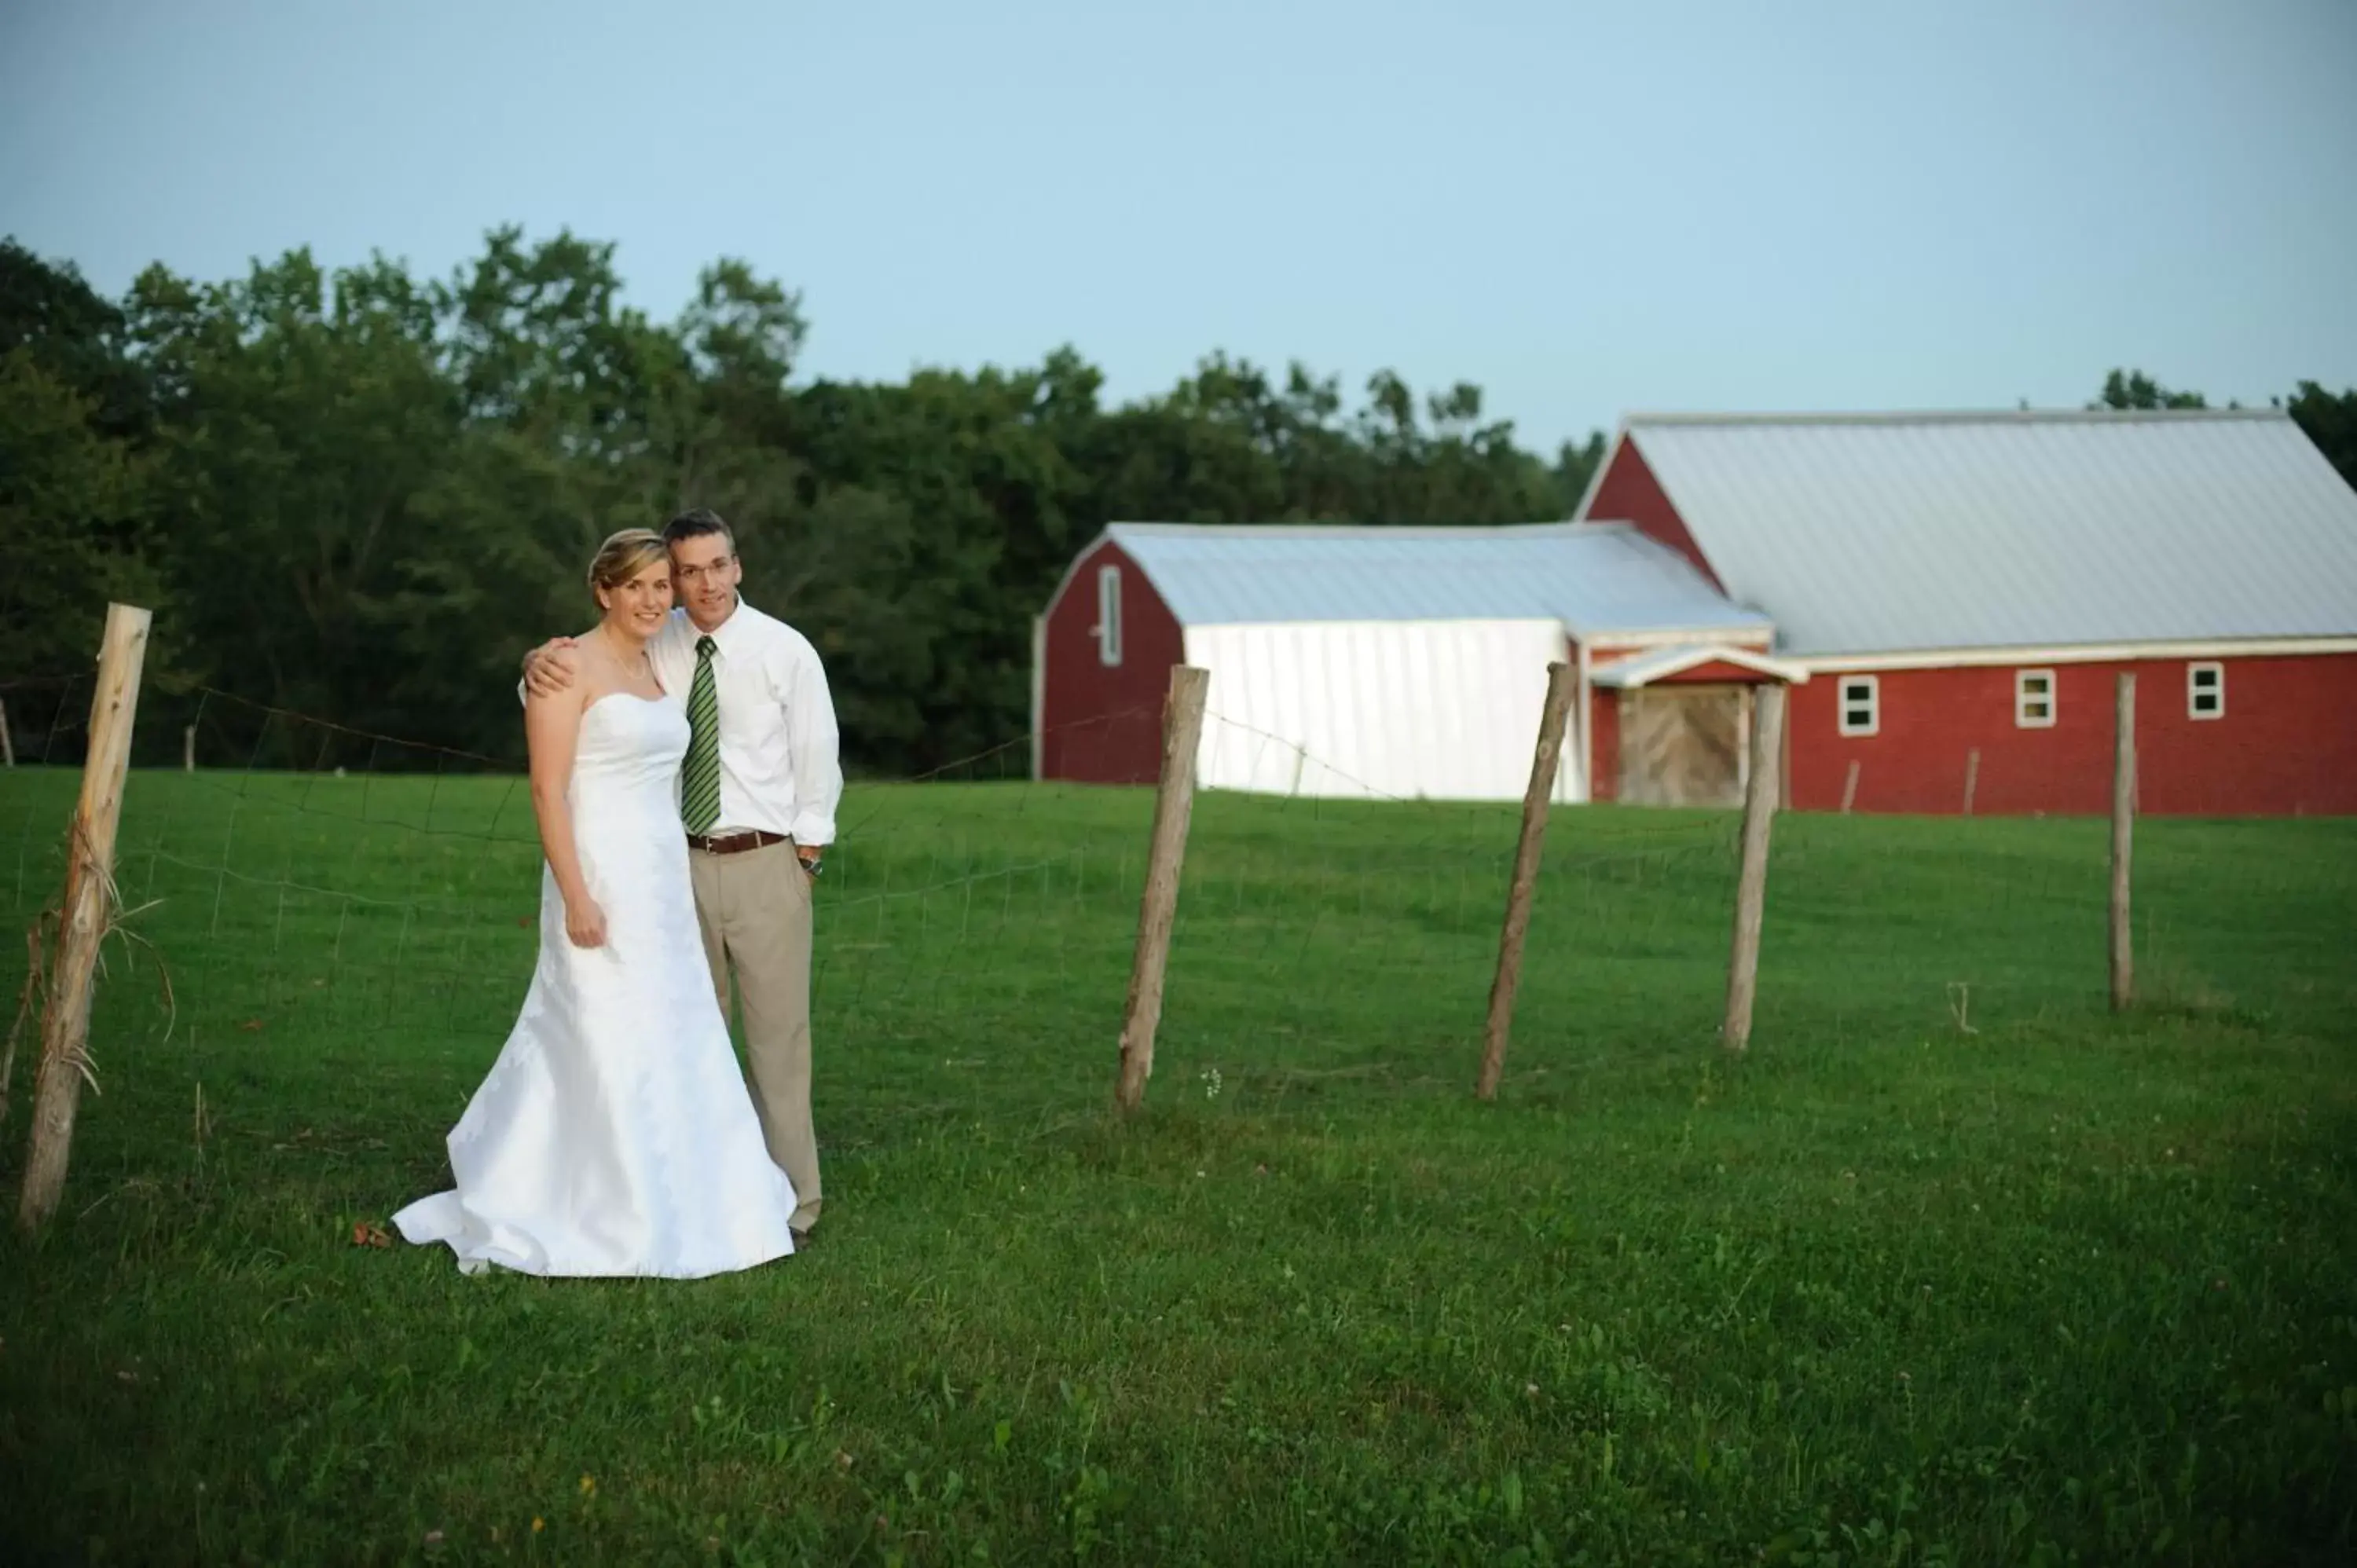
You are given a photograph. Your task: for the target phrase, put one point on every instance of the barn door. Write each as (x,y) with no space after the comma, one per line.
(1683,746)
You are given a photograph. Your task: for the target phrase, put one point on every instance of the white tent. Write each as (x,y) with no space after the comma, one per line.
(1438,710)
(1410,663)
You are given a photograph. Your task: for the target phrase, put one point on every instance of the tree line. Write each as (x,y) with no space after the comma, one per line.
(361,494)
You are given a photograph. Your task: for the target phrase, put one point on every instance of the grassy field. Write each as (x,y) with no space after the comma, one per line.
(1955,1268)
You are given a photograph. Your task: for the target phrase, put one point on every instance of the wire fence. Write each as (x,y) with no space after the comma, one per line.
(369,924)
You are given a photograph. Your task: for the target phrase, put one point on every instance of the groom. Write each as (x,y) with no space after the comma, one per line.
(758,797)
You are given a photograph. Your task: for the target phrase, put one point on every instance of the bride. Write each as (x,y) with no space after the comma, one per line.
(614,1134)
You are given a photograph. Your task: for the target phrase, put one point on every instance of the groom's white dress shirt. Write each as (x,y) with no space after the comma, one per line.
(780,767)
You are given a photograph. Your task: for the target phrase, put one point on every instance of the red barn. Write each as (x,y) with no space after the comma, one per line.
(1400,662)
(1964,588)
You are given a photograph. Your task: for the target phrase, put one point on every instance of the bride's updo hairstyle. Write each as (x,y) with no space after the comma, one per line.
(623,557)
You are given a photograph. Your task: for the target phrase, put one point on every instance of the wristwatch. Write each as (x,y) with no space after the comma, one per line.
(814,864)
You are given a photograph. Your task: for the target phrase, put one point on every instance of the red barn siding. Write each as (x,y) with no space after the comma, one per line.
(1102,724)
(1630,493)
(1604,719)
(2285,747)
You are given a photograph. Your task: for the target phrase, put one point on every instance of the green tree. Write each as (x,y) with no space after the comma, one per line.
(1574,469)
(74,334)
(75,487)
(300,418)
(963,483)
(361,496)
(73,512)
(2133,390)
(2331,420)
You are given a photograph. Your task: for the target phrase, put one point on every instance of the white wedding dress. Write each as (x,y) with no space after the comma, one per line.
(614,1134)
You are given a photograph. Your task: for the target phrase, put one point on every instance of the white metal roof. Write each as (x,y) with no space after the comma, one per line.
(1863,533)
(1644,669)
(1589,579)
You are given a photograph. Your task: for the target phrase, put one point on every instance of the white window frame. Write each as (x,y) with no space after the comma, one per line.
(1107,631)
(2194,692)
(2023,697)
(1869,688)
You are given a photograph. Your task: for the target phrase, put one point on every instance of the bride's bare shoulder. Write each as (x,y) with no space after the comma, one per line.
(594,676)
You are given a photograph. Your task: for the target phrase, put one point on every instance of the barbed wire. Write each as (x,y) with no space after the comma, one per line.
(1335,927)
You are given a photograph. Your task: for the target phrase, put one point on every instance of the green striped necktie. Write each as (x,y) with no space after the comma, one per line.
(699,799)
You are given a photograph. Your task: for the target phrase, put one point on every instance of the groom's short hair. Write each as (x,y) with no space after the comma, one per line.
(697,524)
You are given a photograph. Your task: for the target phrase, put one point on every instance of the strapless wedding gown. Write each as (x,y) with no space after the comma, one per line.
(614,1134)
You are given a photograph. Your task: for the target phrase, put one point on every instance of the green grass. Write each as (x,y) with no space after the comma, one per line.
(1953,1268)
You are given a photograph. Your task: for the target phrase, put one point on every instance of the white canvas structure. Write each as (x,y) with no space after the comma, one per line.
(1409,663)
(1397,710)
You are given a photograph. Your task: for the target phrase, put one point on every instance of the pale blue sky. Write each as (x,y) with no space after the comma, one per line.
(1586,208)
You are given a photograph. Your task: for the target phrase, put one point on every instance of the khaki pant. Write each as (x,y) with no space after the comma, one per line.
(755,909)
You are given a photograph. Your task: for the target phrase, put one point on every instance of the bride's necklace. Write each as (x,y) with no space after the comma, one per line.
(644,665)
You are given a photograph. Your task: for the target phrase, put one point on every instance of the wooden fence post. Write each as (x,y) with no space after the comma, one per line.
(1751,884)
(1039,698)
(88,905)
(2124,794)
(1849,787)
(1174,804)
(1784,772)
(1562,681)
(8,742)
(1971,777)
(188,749)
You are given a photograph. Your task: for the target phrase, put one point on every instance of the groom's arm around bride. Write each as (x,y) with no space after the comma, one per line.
(759,794)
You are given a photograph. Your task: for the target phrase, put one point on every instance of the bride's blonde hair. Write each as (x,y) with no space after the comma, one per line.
(624,556)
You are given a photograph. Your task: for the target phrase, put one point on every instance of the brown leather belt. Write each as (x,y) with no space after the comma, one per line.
(735,843)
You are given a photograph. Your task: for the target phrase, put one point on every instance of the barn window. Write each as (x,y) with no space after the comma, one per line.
(1108,627)
(1861,704)
(2205,690)
(2033,699)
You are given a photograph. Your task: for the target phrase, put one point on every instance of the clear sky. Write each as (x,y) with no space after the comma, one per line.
(1586,208)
